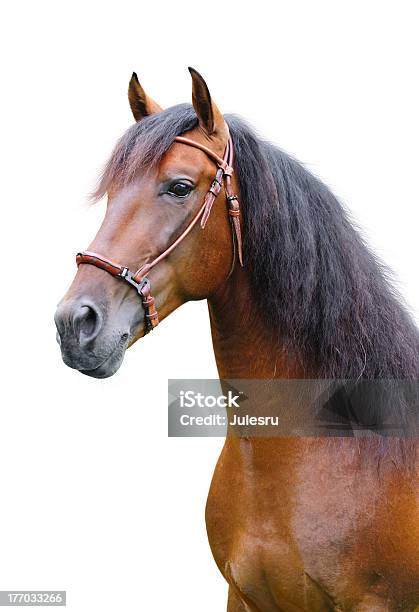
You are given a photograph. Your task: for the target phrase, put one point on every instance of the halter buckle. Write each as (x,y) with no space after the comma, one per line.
(127,275)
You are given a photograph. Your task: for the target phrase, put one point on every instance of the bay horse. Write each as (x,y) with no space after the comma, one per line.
(294,523)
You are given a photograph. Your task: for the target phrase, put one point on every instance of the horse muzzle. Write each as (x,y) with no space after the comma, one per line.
(91,340)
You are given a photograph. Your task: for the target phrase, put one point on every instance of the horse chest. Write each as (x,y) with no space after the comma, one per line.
(265,568)
(307,532)
(249,534)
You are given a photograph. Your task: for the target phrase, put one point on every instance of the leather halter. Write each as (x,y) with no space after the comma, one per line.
(139,280)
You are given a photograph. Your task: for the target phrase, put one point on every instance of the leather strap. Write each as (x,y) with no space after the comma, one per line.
(220,161)
(94,259)
(143,287)
(152,317)
(139,280)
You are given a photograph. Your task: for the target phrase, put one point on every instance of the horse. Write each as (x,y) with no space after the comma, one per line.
(294,523)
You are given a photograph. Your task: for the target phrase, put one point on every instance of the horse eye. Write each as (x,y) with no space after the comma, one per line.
(180,190)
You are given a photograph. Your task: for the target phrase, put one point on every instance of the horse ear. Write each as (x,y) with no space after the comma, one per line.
(210,118)
(141,104)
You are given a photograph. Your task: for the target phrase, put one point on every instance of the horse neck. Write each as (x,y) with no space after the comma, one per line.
(243,344)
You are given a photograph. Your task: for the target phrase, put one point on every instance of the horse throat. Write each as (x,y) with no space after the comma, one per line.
(244,345)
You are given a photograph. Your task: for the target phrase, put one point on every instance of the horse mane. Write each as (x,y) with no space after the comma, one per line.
(325,295)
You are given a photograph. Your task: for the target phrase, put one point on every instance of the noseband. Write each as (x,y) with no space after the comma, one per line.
(139,279)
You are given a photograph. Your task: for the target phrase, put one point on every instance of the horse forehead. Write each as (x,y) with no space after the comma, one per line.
(183,156)
(182,153)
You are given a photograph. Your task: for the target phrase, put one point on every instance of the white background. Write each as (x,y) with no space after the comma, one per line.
(95,498)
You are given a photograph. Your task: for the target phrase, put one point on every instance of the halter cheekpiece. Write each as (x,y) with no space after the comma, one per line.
(139,280)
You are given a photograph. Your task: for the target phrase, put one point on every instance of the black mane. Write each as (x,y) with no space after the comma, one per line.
(324,293)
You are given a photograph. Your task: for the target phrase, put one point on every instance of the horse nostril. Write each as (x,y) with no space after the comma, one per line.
(86,320)
(87,323)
